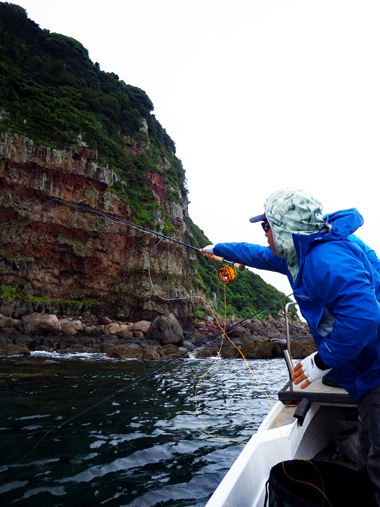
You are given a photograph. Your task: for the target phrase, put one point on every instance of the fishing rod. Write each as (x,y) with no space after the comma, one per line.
(239,266)
(167,363)
(89,209)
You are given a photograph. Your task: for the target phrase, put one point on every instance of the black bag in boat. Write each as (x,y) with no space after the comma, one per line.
(322,483)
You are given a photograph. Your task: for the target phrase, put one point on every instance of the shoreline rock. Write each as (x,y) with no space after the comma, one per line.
(163,338)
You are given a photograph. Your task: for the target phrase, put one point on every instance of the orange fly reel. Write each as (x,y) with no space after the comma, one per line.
(227,274)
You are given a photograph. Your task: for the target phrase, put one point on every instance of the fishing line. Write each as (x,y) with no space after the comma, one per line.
(114,218)
(26,217)
(254,376)
(151,281)
(225,279)
(228,271)
(226,274)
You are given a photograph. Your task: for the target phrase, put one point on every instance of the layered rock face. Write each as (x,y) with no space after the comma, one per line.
(56,243)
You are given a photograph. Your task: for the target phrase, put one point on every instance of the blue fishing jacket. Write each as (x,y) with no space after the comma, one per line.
(340,273)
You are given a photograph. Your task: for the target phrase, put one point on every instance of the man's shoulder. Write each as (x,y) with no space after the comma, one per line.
(334,247)
(332,256)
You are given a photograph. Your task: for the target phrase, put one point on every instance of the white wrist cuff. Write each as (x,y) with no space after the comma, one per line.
(208,249)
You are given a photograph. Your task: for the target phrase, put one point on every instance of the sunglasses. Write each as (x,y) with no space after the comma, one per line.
(265,226)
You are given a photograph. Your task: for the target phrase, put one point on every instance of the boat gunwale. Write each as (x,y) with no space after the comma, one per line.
(325,395)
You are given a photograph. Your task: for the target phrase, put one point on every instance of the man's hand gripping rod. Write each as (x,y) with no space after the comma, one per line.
(208,251)
(236,265)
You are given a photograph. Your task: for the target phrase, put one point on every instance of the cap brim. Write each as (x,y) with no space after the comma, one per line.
(258,218)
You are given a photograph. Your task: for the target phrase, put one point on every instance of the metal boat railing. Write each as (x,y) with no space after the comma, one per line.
(287,355)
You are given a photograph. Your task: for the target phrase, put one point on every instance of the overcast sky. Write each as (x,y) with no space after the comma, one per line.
(257,95)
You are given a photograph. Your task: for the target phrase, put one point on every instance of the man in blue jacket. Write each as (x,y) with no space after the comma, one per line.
(336,282)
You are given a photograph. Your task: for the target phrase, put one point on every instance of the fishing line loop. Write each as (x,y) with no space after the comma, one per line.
(227,273)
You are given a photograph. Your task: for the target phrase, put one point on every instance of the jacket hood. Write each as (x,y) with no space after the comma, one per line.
(343,223)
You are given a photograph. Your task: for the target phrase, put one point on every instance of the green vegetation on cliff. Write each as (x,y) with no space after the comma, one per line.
(51,91)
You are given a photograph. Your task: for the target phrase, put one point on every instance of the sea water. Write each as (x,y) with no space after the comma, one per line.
(87,430)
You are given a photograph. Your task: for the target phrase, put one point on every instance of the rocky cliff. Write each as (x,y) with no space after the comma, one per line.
(76,143)
(51,245)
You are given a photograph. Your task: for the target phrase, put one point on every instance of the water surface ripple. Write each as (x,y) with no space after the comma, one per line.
(143,447)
